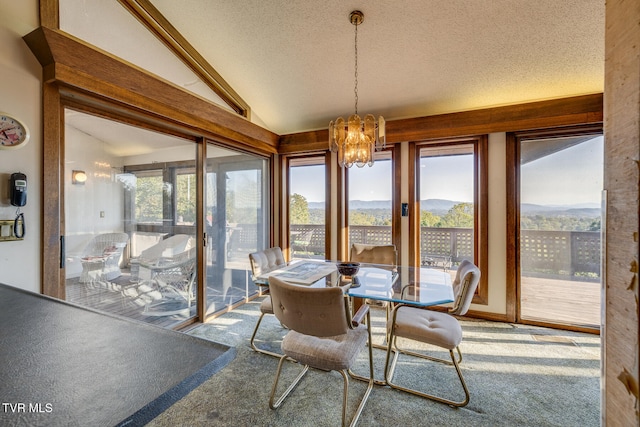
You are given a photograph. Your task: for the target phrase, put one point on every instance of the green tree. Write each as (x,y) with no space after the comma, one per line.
(428,219)
(298,209)
(595,225)
(361,218)
(459,216)
(149,196)
(186,197)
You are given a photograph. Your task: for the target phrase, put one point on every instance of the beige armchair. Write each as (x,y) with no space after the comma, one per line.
(263,262)
(433,328)
(322,336)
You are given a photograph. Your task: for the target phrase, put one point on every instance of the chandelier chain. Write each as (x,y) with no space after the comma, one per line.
(355,89)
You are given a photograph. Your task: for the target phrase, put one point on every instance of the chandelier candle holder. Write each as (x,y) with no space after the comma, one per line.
(356,140)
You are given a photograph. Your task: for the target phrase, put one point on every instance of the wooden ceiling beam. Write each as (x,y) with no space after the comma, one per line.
(73,63)
(159,26)
(586,109)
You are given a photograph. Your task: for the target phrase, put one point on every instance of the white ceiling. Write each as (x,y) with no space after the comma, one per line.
(293,61)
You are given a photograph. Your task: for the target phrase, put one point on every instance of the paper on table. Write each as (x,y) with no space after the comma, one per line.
(305,272)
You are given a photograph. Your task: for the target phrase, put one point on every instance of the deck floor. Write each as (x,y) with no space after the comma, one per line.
(561,301)
(113,297)
(548,300)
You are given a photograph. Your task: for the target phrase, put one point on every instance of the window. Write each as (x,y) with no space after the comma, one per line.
(370,191)
(451,206)
(307,207)
(148,197)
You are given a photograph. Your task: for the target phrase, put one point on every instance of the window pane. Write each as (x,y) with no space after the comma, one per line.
(186,198)
(447,194)
(307,208)
(370,202)
(148,199)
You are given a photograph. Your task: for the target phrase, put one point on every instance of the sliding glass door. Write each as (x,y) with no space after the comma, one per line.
(561,182)
(131,200)
(129,225)
(236,212)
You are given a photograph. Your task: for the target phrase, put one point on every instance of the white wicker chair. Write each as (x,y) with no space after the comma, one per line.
(164,249)
(169,291)
(101,257)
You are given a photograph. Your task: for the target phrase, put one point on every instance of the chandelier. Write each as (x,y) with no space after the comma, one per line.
(356,140)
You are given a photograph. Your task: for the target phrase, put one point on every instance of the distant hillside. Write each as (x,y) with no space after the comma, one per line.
(441,207)
(581,210)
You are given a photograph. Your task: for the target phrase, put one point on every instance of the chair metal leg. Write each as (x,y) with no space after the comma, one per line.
(425,356)
(389,372)
(372,381)
(286,393)
(253,336)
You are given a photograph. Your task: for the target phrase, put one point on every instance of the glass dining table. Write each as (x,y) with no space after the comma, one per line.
(418,286)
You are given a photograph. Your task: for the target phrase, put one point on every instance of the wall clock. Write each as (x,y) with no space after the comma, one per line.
(13,132)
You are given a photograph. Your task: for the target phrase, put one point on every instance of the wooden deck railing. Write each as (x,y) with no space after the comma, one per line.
(553,254)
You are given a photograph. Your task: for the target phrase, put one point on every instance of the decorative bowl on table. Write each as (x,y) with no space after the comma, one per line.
(348,268)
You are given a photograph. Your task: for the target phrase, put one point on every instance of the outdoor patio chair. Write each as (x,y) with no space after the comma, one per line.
(301,242)
(433,328)
(166,248)
(101,257)
(169,291)
(322,335)
(263,262)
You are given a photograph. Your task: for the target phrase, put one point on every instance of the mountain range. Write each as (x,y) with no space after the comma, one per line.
(441,207)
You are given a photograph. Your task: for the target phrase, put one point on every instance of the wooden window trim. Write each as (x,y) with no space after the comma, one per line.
(481,206)
(287,160)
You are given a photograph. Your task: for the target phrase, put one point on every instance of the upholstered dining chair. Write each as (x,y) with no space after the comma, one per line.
(382,256)
(322,335)
(435,328)
(263,262)
(385,256)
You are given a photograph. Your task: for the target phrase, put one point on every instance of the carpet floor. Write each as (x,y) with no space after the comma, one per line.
(517,375)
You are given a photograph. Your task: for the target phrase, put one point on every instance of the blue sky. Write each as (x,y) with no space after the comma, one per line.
(571,176)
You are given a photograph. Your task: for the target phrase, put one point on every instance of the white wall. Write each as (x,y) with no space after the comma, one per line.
(97,206)
(497,187)
(20,95)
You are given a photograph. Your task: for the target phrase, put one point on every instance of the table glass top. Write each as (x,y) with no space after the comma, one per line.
(411,285)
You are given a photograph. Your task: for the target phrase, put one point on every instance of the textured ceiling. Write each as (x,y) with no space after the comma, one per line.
(293,61)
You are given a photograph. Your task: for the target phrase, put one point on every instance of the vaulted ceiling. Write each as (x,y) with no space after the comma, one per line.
(293,61)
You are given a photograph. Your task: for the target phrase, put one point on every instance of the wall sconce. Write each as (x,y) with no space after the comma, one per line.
(78,177)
